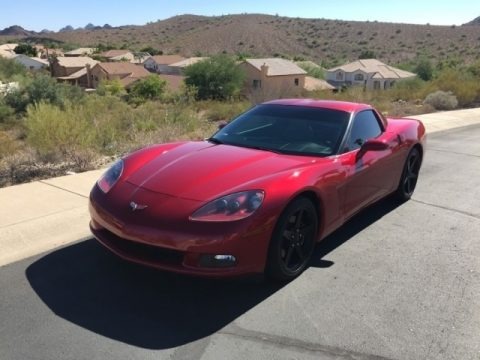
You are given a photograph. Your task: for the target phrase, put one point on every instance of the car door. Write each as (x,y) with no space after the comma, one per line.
(368,174)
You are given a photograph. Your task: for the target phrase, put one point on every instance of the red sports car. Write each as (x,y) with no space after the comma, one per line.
(258,194)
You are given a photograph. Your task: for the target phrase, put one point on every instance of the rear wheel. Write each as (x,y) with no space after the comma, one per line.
(293,240)
(409,178)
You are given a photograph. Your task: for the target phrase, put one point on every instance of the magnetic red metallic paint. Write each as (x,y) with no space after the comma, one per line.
(176,179)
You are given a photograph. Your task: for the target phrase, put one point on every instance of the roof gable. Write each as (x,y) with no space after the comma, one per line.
(374,67)
(78,61)
(276,66)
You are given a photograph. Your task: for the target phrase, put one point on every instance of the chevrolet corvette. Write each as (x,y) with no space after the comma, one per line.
(260,193)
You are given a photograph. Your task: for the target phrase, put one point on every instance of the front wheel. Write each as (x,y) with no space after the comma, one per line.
(408,180)
(293,240)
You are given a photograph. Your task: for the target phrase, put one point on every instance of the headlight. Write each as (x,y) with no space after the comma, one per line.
(231,207)
(110,177)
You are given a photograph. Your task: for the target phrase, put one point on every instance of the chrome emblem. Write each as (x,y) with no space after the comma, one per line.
(134,206)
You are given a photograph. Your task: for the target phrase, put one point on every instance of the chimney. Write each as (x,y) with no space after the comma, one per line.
(264,70)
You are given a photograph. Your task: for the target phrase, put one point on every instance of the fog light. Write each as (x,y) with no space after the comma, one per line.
(218,261)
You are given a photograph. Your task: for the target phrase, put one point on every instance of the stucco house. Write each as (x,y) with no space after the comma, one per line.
(31,63)
(65,66)
(272,78)
(127,73)
(160,63)
(370,73)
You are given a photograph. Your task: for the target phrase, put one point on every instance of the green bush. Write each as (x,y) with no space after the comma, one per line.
(111,87)
(442,100)
(218,77)
(150,88)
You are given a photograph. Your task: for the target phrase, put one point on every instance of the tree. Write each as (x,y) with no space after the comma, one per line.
(367,54)
(424,69)
(216,78)
(152,51)
(151,88)
(25,49)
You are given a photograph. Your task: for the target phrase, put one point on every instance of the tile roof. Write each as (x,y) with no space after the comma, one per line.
(167,59)
(76,75)
(81,51)
(277,66)
(312,84)
(188,62)
(78,61)
(114,53)
(376,67)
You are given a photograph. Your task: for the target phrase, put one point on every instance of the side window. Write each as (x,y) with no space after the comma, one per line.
(365,127)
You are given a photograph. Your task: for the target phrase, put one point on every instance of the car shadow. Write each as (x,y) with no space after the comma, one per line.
(352,227)
(90,287)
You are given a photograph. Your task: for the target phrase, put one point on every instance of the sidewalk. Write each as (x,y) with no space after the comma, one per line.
(46,214)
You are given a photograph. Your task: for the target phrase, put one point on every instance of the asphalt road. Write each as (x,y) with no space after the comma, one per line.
(396,282)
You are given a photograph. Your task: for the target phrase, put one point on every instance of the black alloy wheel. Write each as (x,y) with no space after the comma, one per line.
(293,240)
(409,178)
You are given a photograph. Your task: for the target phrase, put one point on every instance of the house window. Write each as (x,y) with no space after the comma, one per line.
(339,75)
(257,84)
(359,77)
(376,85)
(296,81)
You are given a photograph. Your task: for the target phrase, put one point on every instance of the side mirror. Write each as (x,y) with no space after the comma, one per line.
(373,145)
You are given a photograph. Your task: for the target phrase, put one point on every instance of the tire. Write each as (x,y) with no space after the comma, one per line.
(408,180)
(293,241)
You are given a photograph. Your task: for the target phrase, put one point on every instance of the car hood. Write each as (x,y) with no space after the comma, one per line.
(203,171)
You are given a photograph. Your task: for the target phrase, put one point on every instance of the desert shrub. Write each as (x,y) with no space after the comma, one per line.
(7,145)
(408,89)
(9,69)
(43,88)
(442,100)
(216,110)
(111,87)
(465,87)
(424,69)
(312,70)
(6,112)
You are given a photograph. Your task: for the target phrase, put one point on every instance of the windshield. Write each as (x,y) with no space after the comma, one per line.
(296,130)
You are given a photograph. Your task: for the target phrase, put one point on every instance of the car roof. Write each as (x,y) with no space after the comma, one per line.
(325,104)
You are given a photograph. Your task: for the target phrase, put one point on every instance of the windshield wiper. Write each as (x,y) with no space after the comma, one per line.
(215,141)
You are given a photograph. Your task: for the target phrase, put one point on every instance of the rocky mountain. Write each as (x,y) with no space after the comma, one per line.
(321,40)
(475,21)
(16,30)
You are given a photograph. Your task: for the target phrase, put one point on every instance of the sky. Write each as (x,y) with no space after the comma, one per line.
(53,15)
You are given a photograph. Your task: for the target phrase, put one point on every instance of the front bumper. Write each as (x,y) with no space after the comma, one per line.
(183,249)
